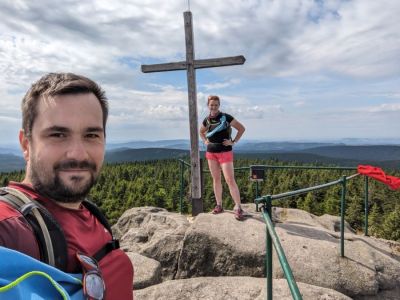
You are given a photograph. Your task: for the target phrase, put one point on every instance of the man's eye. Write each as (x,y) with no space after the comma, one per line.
(92,136)
(57,135)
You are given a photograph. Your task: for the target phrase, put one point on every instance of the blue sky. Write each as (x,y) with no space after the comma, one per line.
(315,70)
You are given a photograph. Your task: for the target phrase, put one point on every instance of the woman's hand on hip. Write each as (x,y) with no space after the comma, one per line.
(228,143)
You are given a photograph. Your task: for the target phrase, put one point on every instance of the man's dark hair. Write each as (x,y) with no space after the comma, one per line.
(54,84)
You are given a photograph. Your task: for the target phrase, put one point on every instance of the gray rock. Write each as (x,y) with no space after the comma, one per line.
(301,217)
(312,246)
(219,245)
(147,271)
(370,266)
(154,233)
(382,295)
(232,288)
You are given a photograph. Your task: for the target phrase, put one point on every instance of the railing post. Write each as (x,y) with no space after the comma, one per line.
(366,206)
(181,189)
(256,189)
(342,213)
(257,195)
(268,249)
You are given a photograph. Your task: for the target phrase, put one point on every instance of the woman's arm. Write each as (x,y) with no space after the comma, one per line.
(240,130)
(203,131)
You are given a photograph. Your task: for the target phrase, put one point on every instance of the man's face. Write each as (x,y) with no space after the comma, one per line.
(66,149)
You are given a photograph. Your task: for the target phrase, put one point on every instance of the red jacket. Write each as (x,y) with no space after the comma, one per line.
(83,233)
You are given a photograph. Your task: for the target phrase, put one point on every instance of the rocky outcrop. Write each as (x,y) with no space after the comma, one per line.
(232,288)
(154,233)
(218,245)
(147,271)
(214,248)
(369,267)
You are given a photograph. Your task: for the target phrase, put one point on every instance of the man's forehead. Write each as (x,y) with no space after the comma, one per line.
(51,101)
(82,110)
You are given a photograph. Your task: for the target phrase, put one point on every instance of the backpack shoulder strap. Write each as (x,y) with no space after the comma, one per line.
(111,245)
(50,236)
(48,232)
(95,210)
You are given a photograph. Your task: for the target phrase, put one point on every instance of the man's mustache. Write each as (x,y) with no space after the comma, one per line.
(74,164)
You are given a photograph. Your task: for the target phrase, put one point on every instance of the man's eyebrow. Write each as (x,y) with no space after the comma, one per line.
(57,128)
(94,129)
(66,129)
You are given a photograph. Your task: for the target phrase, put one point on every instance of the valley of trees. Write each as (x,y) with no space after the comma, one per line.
(157,183)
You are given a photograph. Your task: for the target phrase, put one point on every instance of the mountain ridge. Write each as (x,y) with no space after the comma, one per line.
(385,156)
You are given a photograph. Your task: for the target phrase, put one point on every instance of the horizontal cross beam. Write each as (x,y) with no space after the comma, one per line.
(198,64)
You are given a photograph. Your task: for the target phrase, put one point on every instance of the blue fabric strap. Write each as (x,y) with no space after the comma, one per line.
(223,125)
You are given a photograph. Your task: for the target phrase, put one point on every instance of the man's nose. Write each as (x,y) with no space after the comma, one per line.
(77,150)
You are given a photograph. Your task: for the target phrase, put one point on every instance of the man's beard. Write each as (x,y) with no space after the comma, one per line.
(52,186)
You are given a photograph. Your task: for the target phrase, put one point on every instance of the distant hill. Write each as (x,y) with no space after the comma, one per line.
(10,162)
(243,146)
(309,158)
(170,144)
(14,150)
(372,152)
(385,156)
(278,146)
(127,155)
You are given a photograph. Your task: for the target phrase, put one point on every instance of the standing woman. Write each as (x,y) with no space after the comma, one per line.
(215,132)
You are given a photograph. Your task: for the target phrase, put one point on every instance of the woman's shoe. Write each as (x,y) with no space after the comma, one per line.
(217,210)
(238,214)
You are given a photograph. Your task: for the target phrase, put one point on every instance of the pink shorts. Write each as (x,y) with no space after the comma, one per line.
(221,157)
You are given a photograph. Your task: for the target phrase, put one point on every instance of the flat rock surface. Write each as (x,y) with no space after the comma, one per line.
(232,288)
(228,247)
(147,271)
(219,246)
(155,233)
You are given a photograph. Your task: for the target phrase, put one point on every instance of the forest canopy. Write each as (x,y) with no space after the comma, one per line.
(157,183)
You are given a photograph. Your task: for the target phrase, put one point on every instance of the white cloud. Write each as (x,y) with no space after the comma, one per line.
(299,103)
(385,107)
(220,85)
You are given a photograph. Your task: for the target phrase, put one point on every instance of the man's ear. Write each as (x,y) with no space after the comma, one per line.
(24,143)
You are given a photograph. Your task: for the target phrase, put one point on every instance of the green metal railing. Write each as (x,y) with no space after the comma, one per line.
(272,238)
(184,164)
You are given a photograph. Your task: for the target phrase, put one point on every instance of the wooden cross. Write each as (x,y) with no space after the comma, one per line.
(190,65)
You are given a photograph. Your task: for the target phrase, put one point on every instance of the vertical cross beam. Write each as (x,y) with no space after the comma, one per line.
(197,203)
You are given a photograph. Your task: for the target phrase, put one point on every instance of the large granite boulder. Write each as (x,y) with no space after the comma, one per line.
(370,266)
(154,233)
(232,288)
(219,245)
(147,271)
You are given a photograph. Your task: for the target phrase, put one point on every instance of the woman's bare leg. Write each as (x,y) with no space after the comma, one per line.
(227,169)
(215,170)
